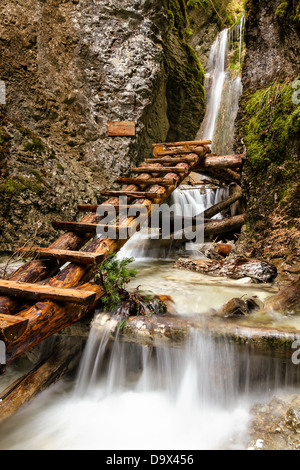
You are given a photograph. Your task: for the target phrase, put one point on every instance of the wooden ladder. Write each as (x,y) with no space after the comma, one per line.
(63,296)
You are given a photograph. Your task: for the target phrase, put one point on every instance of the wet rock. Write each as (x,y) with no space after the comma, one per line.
(69,68)
(276,425)
(259,271)
(240,307)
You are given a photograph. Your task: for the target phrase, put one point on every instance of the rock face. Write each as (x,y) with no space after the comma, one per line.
(273,47)
(70,67)
(276,426)
(269,125)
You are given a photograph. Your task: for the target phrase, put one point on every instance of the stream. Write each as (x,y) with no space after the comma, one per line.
(126,396)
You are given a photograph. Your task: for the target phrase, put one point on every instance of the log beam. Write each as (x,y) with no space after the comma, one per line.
(12,327)
(36,292)
(220,162)
(160,170)
(63,255)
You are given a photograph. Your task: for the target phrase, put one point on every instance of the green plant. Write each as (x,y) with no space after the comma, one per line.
(281,10)
(113,275)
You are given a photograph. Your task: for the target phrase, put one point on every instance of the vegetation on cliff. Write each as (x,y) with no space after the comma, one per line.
(185,76)
(225,12)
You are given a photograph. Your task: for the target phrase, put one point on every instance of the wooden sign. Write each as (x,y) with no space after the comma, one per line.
(121,128)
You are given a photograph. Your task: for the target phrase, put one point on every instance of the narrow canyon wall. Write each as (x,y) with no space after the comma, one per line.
(70,66)
(269,124)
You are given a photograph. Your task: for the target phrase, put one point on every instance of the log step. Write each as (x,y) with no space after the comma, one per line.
(74,226)
(43,292)
(181,144)
(153,169)
(12,327)
(152,181)
(108,207)
(180,151)
(89,228)
(88,207)
(212,162)
(174,160)
(81,257)
(133,194)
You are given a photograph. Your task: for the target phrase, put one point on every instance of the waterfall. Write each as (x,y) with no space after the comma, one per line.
(187,202)
(131,397)
(215,77)
(224,87)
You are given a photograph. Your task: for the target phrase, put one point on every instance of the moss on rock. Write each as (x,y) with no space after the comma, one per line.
(271,121)
(185,86)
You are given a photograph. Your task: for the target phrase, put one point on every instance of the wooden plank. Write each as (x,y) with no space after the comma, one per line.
(108,207)
(87,228)
(161,170)
(151,181)
(132,194)
(12,327)
(77,227)
(220,162)
(181,144)
(88,207)
(82,257)
(121,128)
(45,292)
(180,151)
(172,160)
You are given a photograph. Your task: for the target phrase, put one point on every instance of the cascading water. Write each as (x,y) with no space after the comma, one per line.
(187,202)
(132,397)
(215,82)
(224,88)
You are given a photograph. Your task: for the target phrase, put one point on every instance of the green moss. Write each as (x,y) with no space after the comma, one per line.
(11,186)
(288,12)
(271,129)
(25,132)
(18,184)
(271,120)
(226,12)
(178,15)
(281,10)
(60,167)
(37,175)
(189,32)
(34,145)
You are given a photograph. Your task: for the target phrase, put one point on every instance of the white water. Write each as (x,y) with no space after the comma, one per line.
(224,89)
(188,203)
(130,397)
(216,76)
(136,398)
